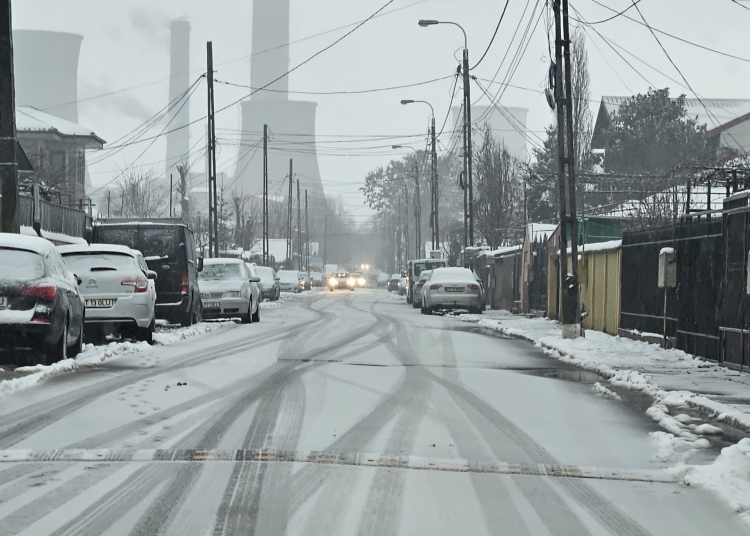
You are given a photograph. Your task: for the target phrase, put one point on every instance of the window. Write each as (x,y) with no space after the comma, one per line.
(57,161)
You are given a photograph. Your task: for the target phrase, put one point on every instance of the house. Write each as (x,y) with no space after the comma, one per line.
(726,120)
(56,149)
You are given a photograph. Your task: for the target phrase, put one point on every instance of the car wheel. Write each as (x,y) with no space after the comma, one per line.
(57,351)
(256,315)
(428,310)
(77,347)
(248,317)
(414,304)
(147,334)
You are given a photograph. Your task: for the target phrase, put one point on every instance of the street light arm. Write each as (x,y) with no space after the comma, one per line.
(426,23)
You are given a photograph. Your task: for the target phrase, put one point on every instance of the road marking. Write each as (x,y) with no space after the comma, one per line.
(338,458)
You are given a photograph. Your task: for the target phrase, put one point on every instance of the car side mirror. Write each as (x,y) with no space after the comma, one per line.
(78,279)
(182,246)
(199,266)
(255,279)
(277,279)
(150,274)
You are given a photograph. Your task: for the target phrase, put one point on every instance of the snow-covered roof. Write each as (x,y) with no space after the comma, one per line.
(222,260)
(538,231)
(276,248)
(30,119)
(96,248)
(29,243)
(503,251)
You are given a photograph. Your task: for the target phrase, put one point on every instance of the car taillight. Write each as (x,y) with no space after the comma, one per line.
(473,287)
(139,284)
(435,286)
(185,284)
(420,284)
(42,292)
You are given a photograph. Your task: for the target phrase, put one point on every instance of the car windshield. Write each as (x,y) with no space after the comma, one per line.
(265,273)
(221,272)
(342,275)
(288,276)
(99,261)
(20,264)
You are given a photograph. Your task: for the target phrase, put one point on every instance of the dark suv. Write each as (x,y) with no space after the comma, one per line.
(168,248)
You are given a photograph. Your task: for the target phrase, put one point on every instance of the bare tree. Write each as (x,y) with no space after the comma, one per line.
(183,190)
(138,197)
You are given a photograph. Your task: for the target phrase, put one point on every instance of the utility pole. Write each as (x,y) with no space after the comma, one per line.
(418,212)
(265,195)
(325,244)
(170,195)
(462,184)
(213,209)
(299,231)
(289,251)
(8,140)
(109,200)
(468,151)
(436,201)
(307,237)
(564,103)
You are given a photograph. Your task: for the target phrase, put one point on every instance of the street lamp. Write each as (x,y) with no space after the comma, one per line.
(468,164)
(434,197)
(417,200)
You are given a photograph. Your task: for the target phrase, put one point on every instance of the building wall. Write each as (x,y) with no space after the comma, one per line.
(599,276)
(59,163)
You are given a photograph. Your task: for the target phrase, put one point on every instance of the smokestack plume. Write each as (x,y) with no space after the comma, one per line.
(46,71)
(178,142)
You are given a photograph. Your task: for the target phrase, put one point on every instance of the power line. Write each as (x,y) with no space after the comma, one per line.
(631,6)
(502,15)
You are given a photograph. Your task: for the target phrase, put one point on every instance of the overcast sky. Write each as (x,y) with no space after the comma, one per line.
(126,45)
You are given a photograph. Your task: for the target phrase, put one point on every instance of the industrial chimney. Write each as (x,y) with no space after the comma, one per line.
(46,71)
(292,123)
(178,141)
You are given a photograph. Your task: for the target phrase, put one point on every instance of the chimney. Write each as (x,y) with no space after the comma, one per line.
(178,142)
(270,33)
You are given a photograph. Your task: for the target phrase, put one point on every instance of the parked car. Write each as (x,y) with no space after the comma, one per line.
(290,281)
(452,288)
(117,286)
(393,282)
(269,283)
(168,248)
(382,279)
(414,269)
(402,286)
(41,307)
(341,281)
(307,280)
(416,300)
(317,279)
(229,290)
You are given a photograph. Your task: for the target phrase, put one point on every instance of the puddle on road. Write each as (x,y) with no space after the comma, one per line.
(574,375)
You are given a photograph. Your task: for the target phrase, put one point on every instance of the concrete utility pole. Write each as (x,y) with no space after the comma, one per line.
(213,208)
(289,217)
(307,237)
(299,231)
(325,243)
(564,102)
(8,140)
(435,191)
(468,149)
(265,196)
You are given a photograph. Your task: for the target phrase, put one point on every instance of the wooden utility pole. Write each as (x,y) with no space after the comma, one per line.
(307,237)
(289,252)
(213,207)
(8,139)
(299,231)
(265,196)
(325,244)
(418,212)
(570,309)
(435,193)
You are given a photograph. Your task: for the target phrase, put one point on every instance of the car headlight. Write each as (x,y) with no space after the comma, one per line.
(333,282)
(233,294)
(350,282)
(362,281)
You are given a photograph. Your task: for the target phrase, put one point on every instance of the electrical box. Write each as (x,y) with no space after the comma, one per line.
(528,273)
(667,268)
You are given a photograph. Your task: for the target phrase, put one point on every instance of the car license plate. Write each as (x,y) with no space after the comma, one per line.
(211,305)
(454,289)
(99,304)
(3,301)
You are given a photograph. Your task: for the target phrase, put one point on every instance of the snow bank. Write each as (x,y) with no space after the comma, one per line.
(94,355)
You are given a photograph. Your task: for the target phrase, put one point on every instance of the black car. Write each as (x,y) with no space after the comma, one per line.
(168,248)
(393,284)
(41,308)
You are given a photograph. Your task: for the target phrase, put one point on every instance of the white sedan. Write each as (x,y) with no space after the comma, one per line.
(452,288)
(229,290)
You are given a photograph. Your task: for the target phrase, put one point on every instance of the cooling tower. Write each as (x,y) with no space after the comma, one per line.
(46,71)
(291,123)
(178,141)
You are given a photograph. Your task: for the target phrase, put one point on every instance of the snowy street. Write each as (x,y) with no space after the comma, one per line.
(341,413)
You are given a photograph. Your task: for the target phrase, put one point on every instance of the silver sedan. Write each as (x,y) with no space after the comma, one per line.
(229,290)
(452,288)
(416,300)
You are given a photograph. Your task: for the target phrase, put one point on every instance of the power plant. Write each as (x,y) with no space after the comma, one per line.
(178,138)
(291,123)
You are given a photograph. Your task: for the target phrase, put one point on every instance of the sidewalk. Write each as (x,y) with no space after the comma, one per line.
(675,380)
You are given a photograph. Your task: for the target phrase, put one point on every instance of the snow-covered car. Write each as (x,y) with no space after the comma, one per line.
(227,290)
(41,307)
(317,279)
(291,281)
(269,283)
(452,288)
(382,279)
(402,286)
(416,300)
(117,286)
(341,281)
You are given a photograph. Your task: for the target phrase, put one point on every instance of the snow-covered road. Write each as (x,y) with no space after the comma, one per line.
(340,413)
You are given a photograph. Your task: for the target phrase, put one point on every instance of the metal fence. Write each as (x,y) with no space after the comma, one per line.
(642,299)
(538,280)
(54,218)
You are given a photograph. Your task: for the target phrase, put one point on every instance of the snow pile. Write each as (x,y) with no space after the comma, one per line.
(601,390)
(728,477)
(170,337)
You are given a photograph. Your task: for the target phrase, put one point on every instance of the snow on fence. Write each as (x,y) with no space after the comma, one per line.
(52,221)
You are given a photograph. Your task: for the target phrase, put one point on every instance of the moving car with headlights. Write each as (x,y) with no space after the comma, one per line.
(168,247)
(117,287)
(416,300)
(414,269)
(359,279)
(393,282)
(41,307)
(341,281)
(291,281)
(269,283)
(452,288)
(228,290)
